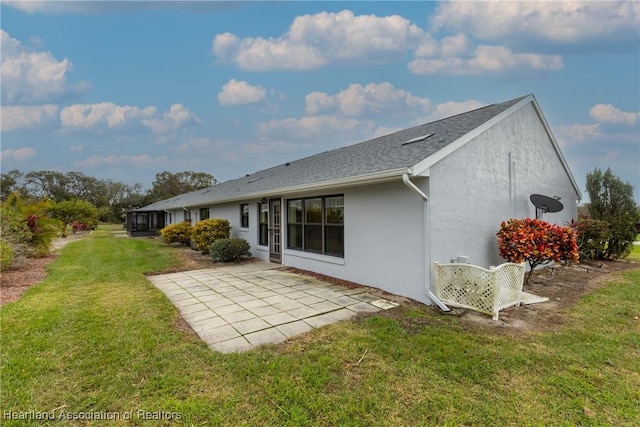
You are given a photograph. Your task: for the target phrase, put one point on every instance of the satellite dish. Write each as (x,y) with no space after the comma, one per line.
(545,204)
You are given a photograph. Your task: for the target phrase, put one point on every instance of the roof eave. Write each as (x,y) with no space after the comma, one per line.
(371,178)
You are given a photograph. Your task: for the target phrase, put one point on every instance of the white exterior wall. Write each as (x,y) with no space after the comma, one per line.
(384,229)
(231,212)
(472,191)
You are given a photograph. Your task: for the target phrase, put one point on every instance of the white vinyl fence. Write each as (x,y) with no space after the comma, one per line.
(476,288)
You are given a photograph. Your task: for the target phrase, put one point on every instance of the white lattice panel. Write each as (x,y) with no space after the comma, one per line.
(479,289)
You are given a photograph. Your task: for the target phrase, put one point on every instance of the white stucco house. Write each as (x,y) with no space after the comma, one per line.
(380,212)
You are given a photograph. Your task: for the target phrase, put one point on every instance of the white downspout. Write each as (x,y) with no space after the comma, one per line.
(426,241)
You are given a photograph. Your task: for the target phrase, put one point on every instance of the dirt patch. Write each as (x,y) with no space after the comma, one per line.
(23,275)
(195,260)
(190,260)
(562,285)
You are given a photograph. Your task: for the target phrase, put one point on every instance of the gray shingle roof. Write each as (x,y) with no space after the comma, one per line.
(396,151)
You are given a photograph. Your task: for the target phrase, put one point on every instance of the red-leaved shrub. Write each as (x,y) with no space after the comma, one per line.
(536,242)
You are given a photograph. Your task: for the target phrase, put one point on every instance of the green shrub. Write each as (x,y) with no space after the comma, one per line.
(207,231)
(6,255)
(230,250)
(177,233)
(613,201)
(593,235)
(27,226)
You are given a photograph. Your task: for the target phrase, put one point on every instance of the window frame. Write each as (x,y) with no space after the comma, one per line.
(302,225)
(263,226)
(244,215)
(204,213)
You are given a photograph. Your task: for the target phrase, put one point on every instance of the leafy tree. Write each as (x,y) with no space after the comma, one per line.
(69,211)
(112,198)
(10,182)
(167,184)
(612,201)
(47,185)
(537,242)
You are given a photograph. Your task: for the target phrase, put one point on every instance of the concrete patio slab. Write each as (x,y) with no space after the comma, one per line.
(235,309)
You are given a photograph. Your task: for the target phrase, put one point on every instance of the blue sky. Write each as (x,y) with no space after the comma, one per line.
(125,90)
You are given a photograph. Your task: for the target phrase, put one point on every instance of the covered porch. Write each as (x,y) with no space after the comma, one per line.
(141,224)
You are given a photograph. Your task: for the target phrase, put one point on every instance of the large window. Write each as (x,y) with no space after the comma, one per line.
(204,213)
(263,229)
(316,225)
(244,216)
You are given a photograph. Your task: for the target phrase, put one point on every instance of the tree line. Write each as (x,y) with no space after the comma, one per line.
(112,199)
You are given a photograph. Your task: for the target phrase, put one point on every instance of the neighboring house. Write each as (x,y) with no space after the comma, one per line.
(382,211)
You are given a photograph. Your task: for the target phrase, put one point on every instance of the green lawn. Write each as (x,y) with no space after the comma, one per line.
(635,251)
(96,338)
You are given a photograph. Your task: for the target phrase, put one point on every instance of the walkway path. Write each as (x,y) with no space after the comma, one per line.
(237,308)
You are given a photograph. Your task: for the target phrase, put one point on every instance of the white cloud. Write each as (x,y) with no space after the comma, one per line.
(485,60)
(33,77)
(579,132)
(607,113)
(613,126)
(110,116)
(27,116)
(76,148)
(384,130)
(374,98)
(176,118)
(143,160)
(24,153)
(311,127)
(236,92)
(102,115)
(530,23)
(451,108)
(314,41)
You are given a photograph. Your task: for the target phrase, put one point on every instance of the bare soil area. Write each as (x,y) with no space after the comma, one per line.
(563,286)
(26,273)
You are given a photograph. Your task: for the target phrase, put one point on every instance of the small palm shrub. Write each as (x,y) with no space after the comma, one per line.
(207,231)
(230,250)
(177,233)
